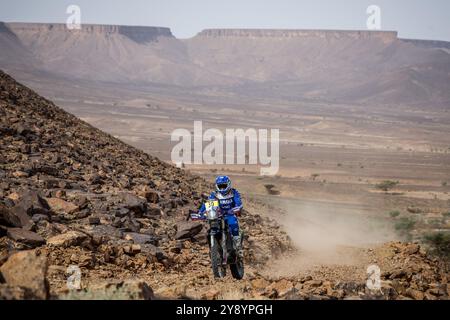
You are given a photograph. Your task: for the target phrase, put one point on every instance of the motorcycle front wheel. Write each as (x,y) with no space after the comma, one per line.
(216,260)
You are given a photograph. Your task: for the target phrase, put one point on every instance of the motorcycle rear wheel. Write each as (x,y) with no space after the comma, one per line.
(237,269)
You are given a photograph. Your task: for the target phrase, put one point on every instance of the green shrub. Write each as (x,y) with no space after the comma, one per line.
(439,243)
(405,224)
(386,185)
(435,223)
(394,213)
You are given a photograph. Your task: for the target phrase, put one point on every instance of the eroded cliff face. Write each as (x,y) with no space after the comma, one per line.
(130,54)
(136,33)
(386,36)
(334,64)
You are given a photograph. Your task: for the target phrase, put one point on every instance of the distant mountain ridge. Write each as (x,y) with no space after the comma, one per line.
(296,33)
(136,33)
(349,66)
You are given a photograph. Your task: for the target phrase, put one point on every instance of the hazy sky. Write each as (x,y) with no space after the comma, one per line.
(412,18)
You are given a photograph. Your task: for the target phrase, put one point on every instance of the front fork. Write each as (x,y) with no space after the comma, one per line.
(223,241)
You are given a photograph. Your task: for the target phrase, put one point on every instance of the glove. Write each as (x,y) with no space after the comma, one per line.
(237,212)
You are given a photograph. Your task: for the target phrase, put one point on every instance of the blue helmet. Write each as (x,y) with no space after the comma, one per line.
(223,184)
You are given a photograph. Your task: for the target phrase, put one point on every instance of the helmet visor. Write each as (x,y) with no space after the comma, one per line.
(222,186)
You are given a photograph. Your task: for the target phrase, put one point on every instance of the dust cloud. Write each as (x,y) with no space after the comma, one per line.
(330,235)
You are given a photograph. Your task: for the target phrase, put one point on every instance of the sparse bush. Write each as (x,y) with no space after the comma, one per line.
(444,183)
(394,213)
(314,176)
(446,214)
(386,185)
(405,224)
(435,223)
(439,243)
(270,189)
(414,210)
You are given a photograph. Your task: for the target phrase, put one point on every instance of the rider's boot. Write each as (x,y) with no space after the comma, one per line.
(237,243)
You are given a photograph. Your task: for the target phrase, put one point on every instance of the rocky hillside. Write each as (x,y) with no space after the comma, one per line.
(73,198)
(350,66)
(77,196)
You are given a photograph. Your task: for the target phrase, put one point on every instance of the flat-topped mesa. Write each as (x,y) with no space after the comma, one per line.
(294,33)
(140,34)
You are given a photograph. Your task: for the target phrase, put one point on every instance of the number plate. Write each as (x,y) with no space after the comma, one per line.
(211,203)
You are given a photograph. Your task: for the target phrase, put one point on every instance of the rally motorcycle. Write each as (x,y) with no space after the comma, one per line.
(220,242)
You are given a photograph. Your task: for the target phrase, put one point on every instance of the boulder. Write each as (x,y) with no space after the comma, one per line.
(313,283)
(177,248)
(133,203)
(31,202)
(94,220)
(27,270)
(8,292)
(279,289)
(153,253)
(211,294)
(413,248)
(149,194)
(9,218)
(26,237)
(68,239)
(260,284)
(188,229)
(36,218)
(415,294)
(60,205)
(104,230)
(140,238)
(154,211)
(3,231)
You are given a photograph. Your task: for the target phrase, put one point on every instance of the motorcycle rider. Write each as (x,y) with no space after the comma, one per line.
(231,205)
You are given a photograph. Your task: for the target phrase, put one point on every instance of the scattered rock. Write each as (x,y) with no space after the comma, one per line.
(415,294)
(26,270)
(26,237)
(11,219)
(152,196)
(186,230)
(59,205)
(133,203)
(260,284)
(279,289)
(140,238)
(12,292)
(119,290)
(211,294)
(413,248)
(153,253)
(94,220)
(68,239)
(31,202)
